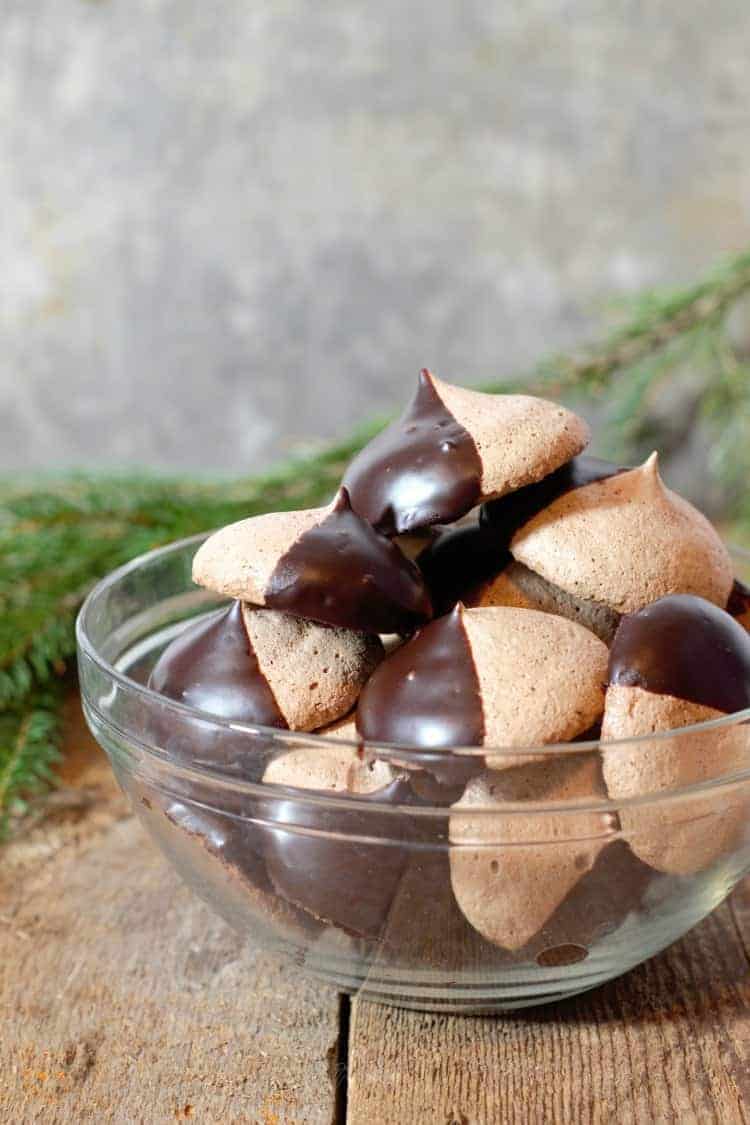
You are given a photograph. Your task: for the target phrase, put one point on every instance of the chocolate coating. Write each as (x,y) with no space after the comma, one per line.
(332,874)
(234,840)
(212,667)
(427,693)
(422,469)
(508,514)
(739,599)
(343,572)
(460,560)
(685,647)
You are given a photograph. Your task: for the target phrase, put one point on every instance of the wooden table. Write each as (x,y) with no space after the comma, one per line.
(124,1000)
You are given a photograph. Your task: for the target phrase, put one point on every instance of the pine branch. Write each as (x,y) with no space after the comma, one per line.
(59,535)
(29,751)
(656,320)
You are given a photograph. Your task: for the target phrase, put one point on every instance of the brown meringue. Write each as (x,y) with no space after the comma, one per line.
(677,663)
(454,448)
(326,564)
(624,542)
(523,865)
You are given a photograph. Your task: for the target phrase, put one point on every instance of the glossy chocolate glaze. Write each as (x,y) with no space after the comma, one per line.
(333,874)
(236,842)
(226,852)
(463,559)
(508,514)
(345,573)
(212,667)
(460,560)
(739,599)
(685,647)
(421,470)
(426,694)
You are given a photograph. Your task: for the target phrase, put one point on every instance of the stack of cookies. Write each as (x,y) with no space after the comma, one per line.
(479,582)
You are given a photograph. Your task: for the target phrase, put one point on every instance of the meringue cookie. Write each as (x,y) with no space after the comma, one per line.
(329,769)
(261,666)
(506,515)
(518,586)
(224,855)
(679,662)
(510,871)
(325,564)
(471,561)
(460,561)
(625,541)
(314,856)
(453,448)
(487,677)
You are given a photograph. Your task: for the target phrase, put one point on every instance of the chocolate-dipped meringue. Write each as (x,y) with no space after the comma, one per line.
(676,663)
(325,564)
(524,865)
(454,448)
(261,666)
(314,857)
(486,677)
(471,561)
(624,541)
(518,586)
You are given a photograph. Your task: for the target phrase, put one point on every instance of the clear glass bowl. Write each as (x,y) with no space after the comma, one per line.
(559,895)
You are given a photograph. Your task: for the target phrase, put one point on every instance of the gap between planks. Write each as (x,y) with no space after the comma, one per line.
(667,1043)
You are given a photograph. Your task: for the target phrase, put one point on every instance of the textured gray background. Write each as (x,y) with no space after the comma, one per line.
(230,228)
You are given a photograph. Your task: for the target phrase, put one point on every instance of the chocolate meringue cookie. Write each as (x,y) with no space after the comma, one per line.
(510,870)
(313,854)
(461,560)
(486,677)
(265,667)
(677,663)
(324,564)
(518,586)
(625,541)
(471,561)
(506,515)
(224,854)
(452,449)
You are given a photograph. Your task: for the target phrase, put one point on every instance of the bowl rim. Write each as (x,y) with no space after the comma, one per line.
(87,648)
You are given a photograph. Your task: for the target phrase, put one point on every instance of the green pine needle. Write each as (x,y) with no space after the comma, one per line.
(29,751)
(60,534)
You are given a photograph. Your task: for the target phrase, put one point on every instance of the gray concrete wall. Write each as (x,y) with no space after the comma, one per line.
(228,228)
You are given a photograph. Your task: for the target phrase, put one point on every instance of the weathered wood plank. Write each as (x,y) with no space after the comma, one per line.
(124,999)
(669,1042)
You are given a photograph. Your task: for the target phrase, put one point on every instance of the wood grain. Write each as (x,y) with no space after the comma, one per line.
(124,999)
(669,1042)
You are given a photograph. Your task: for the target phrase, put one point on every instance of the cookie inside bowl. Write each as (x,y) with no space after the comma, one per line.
(397,742)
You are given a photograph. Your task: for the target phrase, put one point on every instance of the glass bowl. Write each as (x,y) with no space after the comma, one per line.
(396,895)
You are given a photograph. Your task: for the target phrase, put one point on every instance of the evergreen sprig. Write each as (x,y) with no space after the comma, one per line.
(30,738)
(60,534)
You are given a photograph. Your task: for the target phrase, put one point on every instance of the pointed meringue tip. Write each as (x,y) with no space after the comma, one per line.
(342,501)
(649,473)
(426,377)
